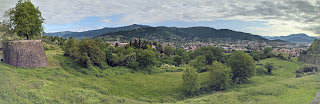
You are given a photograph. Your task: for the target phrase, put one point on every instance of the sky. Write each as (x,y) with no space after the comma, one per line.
(259,17)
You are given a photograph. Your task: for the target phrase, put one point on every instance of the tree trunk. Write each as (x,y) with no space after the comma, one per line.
(28,37)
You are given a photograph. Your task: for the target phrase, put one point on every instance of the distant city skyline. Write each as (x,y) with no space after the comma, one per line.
(259,17)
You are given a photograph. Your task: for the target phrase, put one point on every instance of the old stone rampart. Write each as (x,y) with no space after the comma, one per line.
(24,53)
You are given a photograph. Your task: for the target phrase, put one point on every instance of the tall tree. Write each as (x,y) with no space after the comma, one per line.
(25,19)
(242,66)
(190,80)
(220,76)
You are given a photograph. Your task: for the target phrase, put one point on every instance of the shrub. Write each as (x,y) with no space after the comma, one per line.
(269,67)
(283,56)
(190,80)
(199,63)
(220,76)
(307,69)
(261,71)
(242,66)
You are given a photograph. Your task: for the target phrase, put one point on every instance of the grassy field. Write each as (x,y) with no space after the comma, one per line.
(56,85)
(280,88)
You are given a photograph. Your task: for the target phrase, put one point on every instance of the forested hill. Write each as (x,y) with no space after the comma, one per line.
(94,33)
(59,34)
(166,34)
(295,38)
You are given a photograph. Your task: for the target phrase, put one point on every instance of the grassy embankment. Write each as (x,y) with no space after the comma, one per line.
(55,85)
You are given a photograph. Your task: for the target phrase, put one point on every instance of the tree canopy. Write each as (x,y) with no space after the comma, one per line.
(24,19)
(190,80)
(242,66)
(220,76)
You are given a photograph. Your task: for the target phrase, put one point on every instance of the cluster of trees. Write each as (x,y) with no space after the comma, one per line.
(224,70)
(268,53)
(237,69)
(138,55)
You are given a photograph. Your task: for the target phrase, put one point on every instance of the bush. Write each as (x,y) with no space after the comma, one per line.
(190,80)
(220,76)
(261,71)
(307,69)
(269,67)
(283,56)
(242,66)
(199,63)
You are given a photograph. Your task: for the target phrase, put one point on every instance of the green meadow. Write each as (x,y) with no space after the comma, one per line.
(54,84)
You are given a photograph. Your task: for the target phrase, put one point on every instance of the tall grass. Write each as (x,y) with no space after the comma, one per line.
(59,84)
(282,87)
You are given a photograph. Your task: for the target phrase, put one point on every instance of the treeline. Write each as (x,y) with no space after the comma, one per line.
(138,55)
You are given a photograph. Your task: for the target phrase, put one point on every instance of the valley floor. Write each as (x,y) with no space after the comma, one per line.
(55,85)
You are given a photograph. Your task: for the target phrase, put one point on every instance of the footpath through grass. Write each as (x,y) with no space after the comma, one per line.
(56,85)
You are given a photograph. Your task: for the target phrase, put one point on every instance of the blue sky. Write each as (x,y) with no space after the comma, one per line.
(260,17)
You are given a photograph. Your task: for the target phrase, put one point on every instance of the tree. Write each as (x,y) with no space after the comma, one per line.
(177,60)
(199,63)
(168,50)
(146,59)
(211,54)
(242,66)
(159,48)
(220,76)
(269,67)
(25,19)
(87,47)
(315,47)
(255,56)
(117,45)
(267,52)
(190,80)
(155,43)
(71,48)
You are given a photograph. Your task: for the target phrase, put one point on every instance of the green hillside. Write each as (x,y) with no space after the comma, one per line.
(94,33)
(173,34)
(58,84)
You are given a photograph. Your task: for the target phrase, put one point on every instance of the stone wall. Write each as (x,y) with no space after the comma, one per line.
(1,51)
(310,58)
(316,99)
(24,53)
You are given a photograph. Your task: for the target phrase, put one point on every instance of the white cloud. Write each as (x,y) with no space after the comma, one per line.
(298,15)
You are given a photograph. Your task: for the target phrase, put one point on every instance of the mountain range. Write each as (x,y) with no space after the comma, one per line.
(294,38)
(169,34)
(59,34)
(166,34)
(94,33)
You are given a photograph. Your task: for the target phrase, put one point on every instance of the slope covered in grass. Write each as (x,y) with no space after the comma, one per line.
(58,85)
(282,87)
